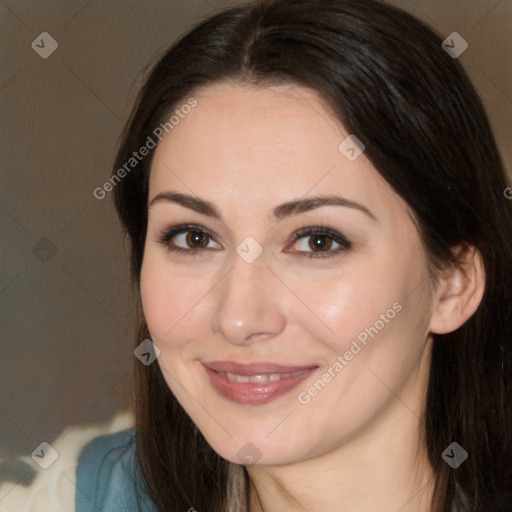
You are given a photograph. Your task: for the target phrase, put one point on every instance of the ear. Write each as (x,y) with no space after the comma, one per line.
(459,291)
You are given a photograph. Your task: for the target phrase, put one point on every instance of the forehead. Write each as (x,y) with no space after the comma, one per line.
(262,146)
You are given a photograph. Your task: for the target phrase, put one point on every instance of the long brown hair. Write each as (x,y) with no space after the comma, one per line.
(388,79)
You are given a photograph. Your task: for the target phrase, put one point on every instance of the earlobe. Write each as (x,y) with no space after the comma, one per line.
(459,291)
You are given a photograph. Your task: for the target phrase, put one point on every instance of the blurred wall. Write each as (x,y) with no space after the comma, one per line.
(66,345)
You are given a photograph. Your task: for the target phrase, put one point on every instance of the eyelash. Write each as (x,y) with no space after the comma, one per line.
(167,234)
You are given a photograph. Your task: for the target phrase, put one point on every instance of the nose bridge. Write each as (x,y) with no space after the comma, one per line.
(248,304)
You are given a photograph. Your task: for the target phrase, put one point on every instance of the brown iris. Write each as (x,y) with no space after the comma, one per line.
(322,242)
(197,239)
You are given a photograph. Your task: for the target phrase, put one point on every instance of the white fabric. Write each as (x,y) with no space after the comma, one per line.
(53,489)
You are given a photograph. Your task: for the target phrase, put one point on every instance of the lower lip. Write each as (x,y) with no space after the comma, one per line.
(254,393)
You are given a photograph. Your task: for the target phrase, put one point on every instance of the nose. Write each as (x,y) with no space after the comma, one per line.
(250,303)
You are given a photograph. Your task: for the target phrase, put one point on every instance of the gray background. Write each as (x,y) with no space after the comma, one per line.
(66,325)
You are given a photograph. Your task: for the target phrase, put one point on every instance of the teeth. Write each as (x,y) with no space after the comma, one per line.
(230,376)
(258,378)
(264,377)
(237,378)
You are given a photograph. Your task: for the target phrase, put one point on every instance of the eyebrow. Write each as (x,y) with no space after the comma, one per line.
(280,212)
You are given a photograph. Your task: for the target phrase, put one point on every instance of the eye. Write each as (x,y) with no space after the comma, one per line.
(320,242)
(194,239)
(189,238)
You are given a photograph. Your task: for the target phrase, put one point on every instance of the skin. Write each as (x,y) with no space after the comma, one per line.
(358,441)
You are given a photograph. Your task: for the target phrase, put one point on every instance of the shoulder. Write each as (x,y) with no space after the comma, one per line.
(107,476)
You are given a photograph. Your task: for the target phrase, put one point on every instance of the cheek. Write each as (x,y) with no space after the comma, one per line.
(167,300)
(339,306)
(368,300)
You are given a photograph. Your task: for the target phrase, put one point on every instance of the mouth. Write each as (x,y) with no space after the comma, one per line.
(256,383)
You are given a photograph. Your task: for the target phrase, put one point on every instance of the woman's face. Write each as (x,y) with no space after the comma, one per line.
(280,343)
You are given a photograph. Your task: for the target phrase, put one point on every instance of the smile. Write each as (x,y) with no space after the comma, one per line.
(254,384)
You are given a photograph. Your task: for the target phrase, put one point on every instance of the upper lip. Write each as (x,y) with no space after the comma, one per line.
(253,368)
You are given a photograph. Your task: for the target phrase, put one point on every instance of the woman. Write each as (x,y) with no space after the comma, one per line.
(321,244)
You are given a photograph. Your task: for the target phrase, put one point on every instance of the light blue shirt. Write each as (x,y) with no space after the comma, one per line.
(108,477)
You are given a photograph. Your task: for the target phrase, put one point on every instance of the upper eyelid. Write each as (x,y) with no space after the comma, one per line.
(179,230)
(303,231)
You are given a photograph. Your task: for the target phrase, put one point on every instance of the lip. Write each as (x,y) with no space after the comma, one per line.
(254,393)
